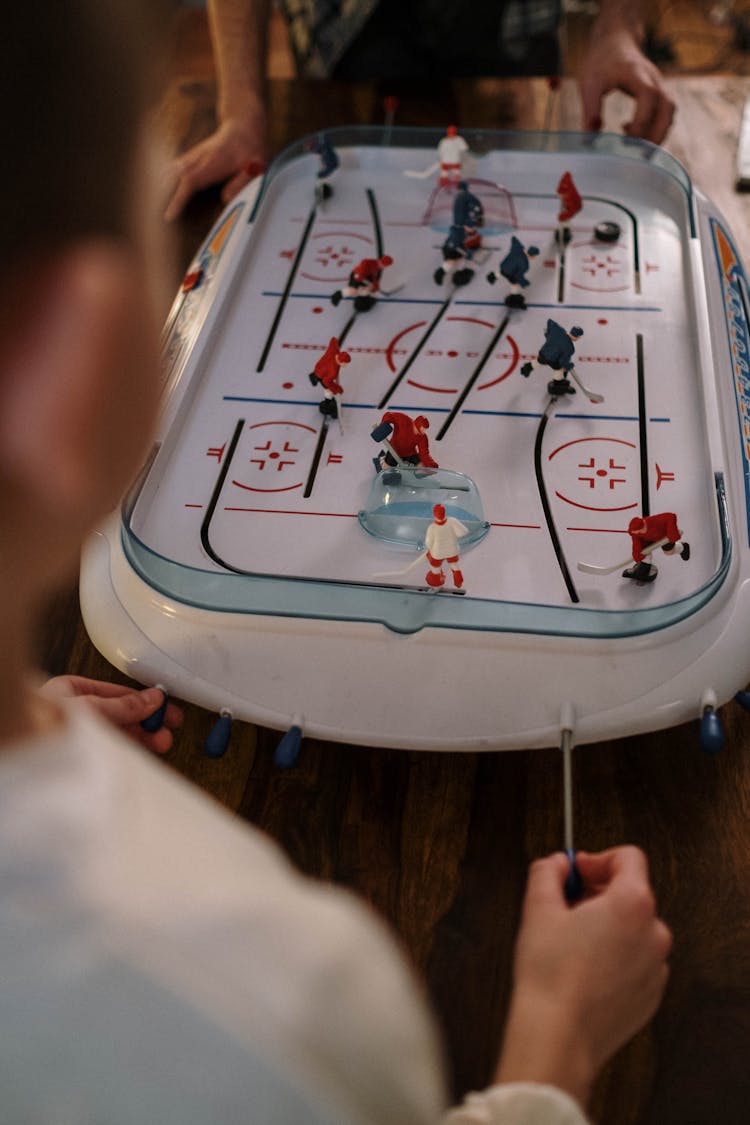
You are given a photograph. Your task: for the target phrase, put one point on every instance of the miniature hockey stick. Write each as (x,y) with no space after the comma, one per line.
(485,253)
(590,568)
(397,573)
(592,396)
(422,175)
(418,471)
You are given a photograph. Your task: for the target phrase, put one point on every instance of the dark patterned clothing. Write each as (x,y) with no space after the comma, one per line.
(390,39)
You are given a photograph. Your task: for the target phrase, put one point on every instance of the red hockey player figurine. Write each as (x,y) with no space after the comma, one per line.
(364,282)
(406,438)
(326,372)
(647,533)
(441,541)
(570,204)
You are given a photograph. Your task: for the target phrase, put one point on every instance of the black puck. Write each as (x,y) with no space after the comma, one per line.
(607,232)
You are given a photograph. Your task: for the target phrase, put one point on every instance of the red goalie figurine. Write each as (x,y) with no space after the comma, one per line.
(405,441)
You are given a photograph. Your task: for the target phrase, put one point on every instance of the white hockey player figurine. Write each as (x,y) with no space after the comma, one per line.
(441,542)
(451,152)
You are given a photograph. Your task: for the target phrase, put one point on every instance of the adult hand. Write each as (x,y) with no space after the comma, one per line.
(614,61)
(586,977)
(235,153)
(122,706)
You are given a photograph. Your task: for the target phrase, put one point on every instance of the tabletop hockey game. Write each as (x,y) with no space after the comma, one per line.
(428,489)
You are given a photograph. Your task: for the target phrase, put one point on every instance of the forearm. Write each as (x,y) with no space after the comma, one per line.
(239,33)
(621,16)
(541,1045)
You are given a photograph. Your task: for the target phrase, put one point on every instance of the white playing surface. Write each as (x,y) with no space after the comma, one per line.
(645,447)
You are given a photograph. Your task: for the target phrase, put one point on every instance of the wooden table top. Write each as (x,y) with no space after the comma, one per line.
(440,843)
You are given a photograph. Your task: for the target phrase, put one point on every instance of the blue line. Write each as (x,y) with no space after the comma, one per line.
(411,408)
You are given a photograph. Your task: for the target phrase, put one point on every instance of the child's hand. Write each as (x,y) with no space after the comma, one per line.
(587,977)
(124,707)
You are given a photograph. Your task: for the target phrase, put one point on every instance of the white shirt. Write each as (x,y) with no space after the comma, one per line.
(161,963)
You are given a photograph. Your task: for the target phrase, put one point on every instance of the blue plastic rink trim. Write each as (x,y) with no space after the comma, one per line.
(484,140)
(406,610)
(737,326)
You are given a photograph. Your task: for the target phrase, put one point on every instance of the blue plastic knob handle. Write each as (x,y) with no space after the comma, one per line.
(711,732)
(217,740)
(287,752)
(155,721)
(573,888)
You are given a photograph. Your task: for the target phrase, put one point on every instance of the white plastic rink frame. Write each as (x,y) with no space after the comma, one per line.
(245,570)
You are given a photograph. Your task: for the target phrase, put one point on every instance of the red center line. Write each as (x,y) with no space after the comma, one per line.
(286,512)
(519,526)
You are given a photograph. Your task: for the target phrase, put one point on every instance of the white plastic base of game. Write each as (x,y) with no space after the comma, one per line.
(462,689)
(336,678)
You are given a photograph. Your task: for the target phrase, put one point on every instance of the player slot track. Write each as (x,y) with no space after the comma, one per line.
(556,545)
(295,266)
(378,230)
(375,222)
(310,482)
(206,522)
(561,276)
(636,247)
(421,343)
(212,554)
(474,376)
(287,290)
(642,429)
(612,203)
(346,329)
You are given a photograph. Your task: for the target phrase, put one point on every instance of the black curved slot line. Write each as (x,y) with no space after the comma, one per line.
(612,203)
(375,222)
(433,325)
(215,499)
(208,517)
(634,222)
(474,376)
(546,508)
(642,429)
(287,290)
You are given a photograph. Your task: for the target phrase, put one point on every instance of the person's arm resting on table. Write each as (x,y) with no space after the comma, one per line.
(239,31)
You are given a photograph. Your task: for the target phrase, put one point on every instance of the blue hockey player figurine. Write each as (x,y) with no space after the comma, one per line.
(514,267)
(329,162)
(463,237)
(557,352)
(467,208)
